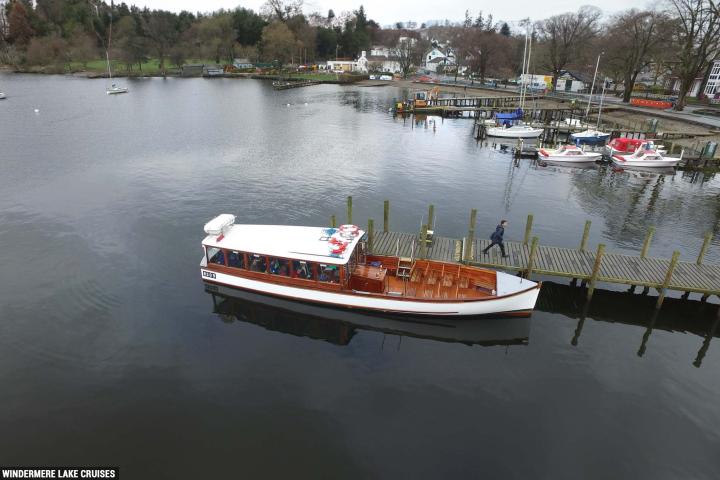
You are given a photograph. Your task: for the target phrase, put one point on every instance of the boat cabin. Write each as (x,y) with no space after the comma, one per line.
(333,259)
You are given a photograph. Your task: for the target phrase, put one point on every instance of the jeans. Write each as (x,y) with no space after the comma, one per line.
(502,247)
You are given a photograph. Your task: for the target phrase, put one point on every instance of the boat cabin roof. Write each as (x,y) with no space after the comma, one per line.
(301,243)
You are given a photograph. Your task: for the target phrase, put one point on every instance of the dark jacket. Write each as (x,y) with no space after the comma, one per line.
(497,235)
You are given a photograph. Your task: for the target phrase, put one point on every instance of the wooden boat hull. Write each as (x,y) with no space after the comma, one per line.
(519,303)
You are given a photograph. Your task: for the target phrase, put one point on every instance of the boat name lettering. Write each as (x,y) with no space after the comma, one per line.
(208,274)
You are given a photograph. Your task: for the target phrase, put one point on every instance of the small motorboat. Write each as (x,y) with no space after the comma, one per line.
(645,157)
(115,89)
(568,154)
(2,96)
(590,137)
(626,146)
(516,131)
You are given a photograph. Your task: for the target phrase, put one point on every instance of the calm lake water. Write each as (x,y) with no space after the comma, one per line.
(112,352)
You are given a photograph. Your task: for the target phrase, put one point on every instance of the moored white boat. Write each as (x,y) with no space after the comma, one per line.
(516,131)
(568,154)
(331,267)
(2,96)
(626,146)
(114,90)
(644,158)
(590,136)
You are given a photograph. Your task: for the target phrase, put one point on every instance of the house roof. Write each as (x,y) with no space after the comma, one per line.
(577,76)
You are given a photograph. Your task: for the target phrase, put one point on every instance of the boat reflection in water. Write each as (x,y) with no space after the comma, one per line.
(339,326)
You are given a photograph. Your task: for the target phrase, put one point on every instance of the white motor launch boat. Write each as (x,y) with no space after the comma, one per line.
(568,154)
(2,96)
(331,267)
(644,158)
(516,131)
(114,90)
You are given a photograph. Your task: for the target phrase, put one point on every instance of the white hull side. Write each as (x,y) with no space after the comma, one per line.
(570,158)
(607,149)
(117,91)
(510,133)
(667,163)
(524,301)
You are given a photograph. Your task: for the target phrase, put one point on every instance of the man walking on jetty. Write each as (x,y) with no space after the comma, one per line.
(497,238)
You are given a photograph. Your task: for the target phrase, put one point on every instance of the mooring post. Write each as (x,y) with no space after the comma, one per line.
(386,215)
(668,277)
(646,243)
(371,233)
(528,229)
(531,258)
(595,270)
(423,241)
(703,249)
(586,234)
(333,223)
(471,236)
(349,209)
(431,216)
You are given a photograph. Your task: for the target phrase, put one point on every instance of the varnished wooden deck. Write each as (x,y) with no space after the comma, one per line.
(561,262)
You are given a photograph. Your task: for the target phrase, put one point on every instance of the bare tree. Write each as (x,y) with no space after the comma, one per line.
(695,38)
(564,38)
(631,43)
(409,54)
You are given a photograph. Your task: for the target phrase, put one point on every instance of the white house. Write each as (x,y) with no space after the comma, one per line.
(571,82)
(360,65)
(435,58)
(712,87)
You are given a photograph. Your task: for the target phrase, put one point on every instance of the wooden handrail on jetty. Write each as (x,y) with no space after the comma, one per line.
(579,264)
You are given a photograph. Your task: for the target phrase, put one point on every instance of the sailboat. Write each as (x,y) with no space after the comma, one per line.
(593,136)
(114,88)
(519,130)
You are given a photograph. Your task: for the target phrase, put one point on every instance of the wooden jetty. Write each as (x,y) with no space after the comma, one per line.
(529,258)
(284,85)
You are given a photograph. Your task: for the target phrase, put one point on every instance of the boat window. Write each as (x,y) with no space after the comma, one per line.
(215,255)
(279,266)
(236,259)
(303,270)
(329,273)
(258,263)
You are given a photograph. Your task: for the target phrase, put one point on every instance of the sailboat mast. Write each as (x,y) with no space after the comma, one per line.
(528,64)
(107,59)
(592,87)
(522,73)
(602,97)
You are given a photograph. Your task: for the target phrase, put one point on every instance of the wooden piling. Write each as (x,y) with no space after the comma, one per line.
(349,209)
(471,235)
(703,249)
(431,216)
(333,223)
(646,243)
(668,277)
(586,234)
(371,233)
(423,241)
(528,229)
(595,270)
(531,258)
(386,215)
